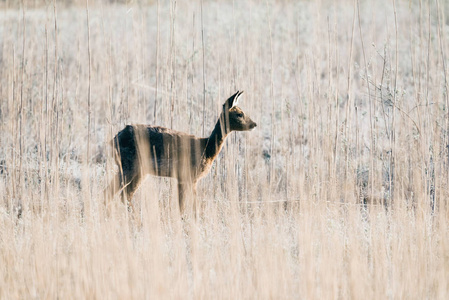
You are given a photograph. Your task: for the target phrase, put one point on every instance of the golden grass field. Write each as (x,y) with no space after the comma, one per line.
(341,192)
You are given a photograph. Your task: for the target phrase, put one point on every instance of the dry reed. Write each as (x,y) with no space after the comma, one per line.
(340,193)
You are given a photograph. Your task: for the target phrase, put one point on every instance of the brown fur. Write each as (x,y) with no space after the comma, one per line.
(159,151)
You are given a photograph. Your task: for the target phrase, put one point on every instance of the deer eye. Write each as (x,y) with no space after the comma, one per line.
(240,115)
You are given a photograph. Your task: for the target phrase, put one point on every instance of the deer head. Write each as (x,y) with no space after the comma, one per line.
(233,118)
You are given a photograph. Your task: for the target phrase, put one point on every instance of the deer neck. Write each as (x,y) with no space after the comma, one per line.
(216,140)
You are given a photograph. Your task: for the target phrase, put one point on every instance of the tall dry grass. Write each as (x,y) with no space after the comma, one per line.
(340,193)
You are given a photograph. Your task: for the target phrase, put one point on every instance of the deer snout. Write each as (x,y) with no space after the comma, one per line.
(252,125)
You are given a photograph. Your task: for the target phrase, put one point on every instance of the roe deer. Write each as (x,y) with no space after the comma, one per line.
(143,149)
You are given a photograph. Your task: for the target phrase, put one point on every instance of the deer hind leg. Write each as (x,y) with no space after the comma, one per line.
(126,184)
(130,189)
(113,188)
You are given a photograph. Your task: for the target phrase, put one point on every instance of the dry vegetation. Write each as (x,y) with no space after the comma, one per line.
(340,193)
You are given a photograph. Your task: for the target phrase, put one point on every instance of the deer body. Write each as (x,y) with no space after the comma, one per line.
(159,151)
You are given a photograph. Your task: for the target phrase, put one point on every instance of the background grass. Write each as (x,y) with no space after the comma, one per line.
(340,192)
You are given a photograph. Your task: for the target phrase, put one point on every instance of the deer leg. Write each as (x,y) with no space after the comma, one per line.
(113,188)
(127,186)
(181,197)
(184,195)
(130,189)
(195,207)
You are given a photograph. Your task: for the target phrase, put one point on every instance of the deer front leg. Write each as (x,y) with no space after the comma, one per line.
(182,190)
(186,193)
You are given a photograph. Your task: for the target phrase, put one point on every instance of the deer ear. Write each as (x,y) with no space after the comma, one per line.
(236,98)
(232,101)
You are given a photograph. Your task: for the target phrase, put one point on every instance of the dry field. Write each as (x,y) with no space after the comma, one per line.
(341,192)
